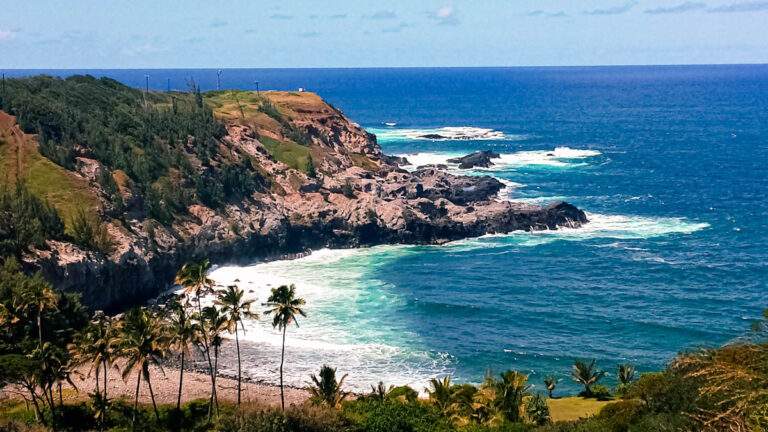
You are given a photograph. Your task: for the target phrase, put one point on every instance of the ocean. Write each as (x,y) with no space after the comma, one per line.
(669,162)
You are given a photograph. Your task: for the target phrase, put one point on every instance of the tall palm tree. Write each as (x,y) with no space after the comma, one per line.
(284,308)
(626,373)
(142,344)
(95,344)
(327,389)
(586,374)
(193,277)
(550,383)
(183,333)
(214,324)
(235,309)
(37,297)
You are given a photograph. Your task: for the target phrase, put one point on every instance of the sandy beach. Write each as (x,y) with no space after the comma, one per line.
(165,384)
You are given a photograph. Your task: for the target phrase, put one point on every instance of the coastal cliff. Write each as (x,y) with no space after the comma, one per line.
(316,179)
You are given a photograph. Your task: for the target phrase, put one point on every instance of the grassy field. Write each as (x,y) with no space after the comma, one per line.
(20,159)
(574,408)
(294,155)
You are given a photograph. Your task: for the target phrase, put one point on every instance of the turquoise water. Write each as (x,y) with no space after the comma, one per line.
(669,163)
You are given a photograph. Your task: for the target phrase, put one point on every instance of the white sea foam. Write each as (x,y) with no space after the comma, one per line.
(560,157)
(451,133)
(341,329)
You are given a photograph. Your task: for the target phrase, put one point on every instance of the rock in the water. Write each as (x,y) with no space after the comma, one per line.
(476,159)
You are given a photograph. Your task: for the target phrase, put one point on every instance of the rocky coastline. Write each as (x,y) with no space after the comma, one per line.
(357,197)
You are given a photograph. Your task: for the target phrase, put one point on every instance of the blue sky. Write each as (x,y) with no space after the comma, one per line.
(259,33)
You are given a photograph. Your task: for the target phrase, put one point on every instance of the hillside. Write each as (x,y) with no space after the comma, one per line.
(163,178)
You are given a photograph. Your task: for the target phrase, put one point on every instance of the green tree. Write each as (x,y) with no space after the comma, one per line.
(184,332)
(510,391)
(587,375)
(440,392)
(235,309)
(285,307)
(214,324)
(326,389)
(537,410)
(550,383)
(626,373)
(37,297)
(142,342)
(90,233)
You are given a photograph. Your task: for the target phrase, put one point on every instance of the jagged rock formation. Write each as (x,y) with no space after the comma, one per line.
(353,196)
(476,159)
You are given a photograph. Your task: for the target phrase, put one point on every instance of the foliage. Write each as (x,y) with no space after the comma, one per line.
(169,145)
(393,416)
(88,232)
(537,410)
(25,221)
(587,375)
(327,390)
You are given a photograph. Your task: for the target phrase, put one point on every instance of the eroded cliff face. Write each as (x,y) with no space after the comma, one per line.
(356,197)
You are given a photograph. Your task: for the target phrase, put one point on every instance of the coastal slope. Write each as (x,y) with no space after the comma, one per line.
(314,179)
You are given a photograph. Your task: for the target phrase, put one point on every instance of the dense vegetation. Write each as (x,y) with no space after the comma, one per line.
(168,145)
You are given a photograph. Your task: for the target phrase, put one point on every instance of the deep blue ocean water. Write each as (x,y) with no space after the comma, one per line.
(671,164)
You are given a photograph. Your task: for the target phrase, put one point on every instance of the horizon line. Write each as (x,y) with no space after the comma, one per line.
(385,67)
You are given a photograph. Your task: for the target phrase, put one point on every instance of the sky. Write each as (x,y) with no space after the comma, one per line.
(407,33)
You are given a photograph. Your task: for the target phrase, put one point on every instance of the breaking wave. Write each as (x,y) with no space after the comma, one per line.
(451,133)
(560,157)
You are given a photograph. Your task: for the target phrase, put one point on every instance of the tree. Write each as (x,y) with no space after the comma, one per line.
(327,389)
(626,373)
(510,391)
(37,297)
(310,168)
(213,324)
(550,383)
(441,392)
(235,309)
(586,375)
(284,308)
(95,345)
(183,333)
(142,344)
(193,277)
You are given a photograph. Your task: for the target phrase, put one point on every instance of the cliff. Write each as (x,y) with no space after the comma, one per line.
(322,182)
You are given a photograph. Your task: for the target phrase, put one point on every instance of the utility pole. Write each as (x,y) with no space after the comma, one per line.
(218,79)
(257,88)
(146,85)
(168,85)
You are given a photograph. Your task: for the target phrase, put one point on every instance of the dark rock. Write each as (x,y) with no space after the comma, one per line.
(476,159)
(432,136)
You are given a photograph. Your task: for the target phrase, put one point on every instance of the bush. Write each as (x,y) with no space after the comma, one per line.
(537,410)
(392,416)
(664,392)
(90,233)
(622,414)
(295,419)
(600,392)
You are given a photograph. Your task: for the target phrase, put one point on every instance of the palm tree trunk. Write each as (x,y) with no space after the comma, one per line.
(136,401)
(181,381)
(208,357)
(105,381)
(152,396)
(282,360)
(98,370)
(61,400)
(38,414)
(40,326)
(239,369)
(216,375)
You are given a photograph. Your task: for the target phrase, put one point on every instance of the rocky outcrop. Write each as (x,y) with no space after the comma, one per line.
(358,197)
(477,159)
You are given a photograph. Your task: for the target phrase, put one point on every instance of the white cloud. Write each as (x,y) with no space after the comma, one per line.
(445,12)
(446,15)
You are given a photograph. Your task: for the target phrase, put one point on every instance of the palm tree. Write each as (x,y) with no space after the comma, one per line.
(37,297)
(550,382)
(235,309)
(142,344)
(586,375)
(537,410)
(380,392)
(326,389)
(184,332)
(214,324)
(95,344)
(626,373)
(284,306)
(441,392)
(510,391)
(193,277)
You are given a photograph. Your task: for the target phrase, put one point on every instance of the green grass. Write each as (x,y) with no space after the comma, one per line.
(62,189)
(574,408)
(294,155)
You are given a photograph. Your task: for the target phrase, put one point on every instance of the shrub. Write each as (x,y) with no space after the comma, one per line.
(600,392)
(391,416)
(664,392)
(537,410)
